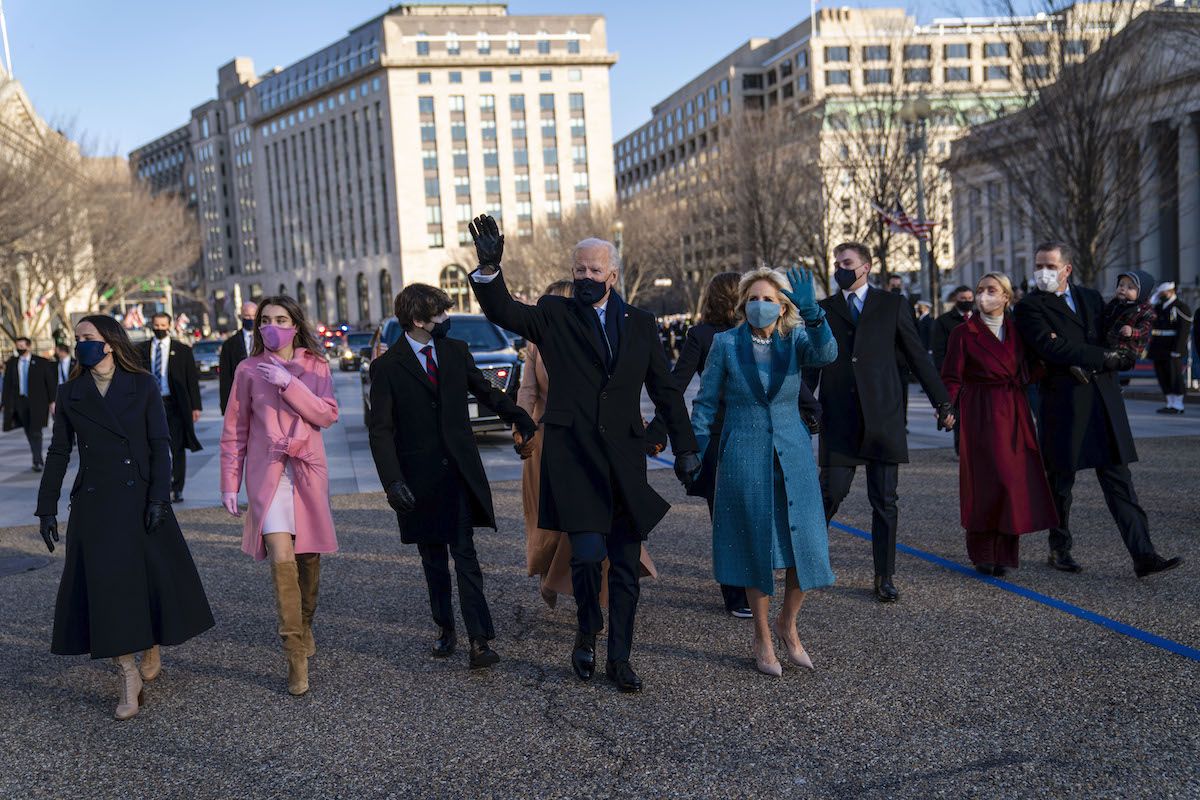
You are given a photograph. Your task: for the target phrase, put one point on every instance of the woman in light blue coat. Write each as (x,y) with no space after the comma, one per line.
(768,514)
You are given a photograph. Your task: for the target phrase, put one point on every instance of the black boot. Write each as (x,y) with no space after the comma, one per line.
(444,646)
(985,568)
(885,592)
(623,676)
(1062,561)
(583,657)
(482,655)
(1155,563)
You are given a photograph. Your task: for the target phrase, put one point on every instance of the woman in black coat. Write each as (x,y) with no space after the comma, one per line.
(129,583)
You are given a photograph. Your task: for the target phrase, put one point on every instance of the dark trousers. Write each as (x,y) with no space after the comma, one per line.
(1169,372)
(1117,485)
(734,596)
(435,559)
(33,434)
(882,478)
(588,551)
(175,427)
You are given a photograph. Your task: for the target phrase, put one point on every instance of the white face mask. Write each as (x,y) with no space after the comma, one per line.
(1046,279)
(989,303)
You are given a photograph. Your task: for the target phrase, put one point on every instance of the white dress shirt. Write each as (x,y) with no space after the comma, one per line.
(165,347)
(1065,294)
(860,293)
(23,375)
(418,347)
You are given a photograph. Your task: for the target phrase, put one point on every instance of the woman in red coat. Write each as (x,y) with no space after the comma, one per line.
(1002,485)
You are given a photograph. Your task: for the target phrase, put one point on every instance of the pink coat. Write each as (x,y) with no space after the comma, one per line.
(263,427)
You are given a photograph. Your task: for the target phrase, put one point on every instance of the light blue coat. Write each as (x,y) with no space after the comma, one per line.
(752,526)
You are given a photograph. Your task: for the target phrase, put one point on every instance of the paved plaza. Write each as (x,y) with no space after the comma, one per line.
(968,687)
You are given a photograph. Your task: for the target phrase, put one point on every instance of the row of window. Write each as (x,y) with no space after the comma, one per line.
(708,98)
(957,50)
(331,65)
(483,43)
(487,76)
(150,168)
(991,72)
(318,108)
(487,102)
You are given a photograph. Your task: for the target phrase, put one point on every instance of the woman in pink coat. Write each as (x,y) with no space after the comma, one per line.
(282,397)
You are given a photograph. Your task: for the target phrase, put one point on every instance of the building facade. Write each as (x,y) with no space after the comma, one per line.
(355,170)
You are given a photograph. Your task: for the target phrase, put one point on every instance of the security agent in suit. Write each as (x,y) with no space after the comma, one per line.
(234,351)
(861,393)
(28,395)
(63,364)
(1082,425)
(599,352)
(943,326)
(173,366)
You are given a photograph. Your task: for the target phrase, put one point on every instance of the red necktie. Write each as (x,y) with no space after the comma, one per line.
(430,364)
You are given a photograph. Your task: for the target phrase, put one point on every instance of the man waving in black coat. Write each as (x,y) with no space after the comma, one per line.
(600,352)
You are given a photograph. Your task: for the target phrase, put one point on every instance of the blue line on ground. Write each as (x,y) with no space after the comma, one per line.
(1116,626)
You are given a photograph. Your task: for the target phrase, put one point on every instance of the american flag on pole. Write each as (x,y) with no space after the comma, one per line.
(134,318)
(899,221)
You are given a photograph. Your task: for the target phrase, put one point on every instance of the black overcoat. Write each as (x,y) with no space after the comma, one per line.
(595,442)
(184,378)
(1082,426)
(861,394)
(42,380)
(943,326)
(421,434)
(233,352)
(122,590)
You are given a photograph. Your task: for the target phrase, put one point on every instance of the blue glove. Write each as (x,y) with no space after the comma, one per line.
(804,295)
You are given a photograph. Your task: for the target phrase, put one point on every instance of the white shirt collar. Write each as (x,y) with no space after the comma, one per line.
(417,347)
(602,308)
(860,291)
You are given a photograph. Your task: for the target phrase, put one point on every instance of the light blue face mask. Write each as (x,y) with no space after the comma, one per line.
(761,313)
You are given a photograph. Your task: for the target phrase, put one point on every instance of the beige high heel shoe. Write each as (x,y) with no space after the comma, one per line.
(151,663)
(132,695)
(765,667)
(797,655)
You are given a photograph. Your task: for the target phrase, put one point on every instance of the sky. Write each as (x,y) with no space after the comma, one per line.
(119,74)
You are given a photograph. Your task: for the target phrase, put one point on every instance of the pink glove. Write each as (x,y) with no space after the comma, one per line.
(229,500)
(275,375)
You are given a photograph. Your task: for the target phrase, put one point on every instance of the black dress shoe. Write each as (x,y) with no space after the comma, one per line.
(1155,563)
(986,569)
(1061,560)
(176,497)
(583,657)
(885,592)
(999,571)
(444,646)
(37,467)
(623,676)
(482,655)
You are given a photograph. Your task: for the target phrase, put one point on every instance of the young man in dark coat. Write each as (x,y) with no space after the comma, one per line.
(234,351)
(964,301)
(861,394)
(29,387)
(173,366)
(428,462)
(600,352)
(1082,425)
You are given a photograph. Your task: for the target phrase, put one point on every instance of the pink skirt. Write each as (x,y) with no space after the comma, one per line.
(281,515)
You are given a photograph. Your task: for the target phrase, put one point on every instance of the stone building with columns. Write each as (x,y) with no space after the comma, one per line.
(1159,225)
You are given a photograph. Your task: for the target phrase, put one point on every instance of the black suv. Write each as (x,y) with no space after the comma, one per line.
(494,351)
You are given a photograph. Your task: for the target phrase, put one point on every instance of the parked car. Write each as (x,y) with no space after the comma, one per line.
(208,357)
(357,343)
(490,347)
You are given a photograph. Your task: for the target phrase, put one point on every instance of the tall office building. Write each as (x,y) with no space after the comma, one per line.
(355,170)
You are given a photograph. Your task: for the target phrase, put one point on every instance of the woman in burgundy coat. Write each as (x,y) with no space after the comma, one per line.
(1002,485)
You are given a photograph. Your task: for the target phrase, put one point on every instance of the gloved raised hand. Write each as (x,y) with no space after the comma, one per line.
(400,497)
(156,514)
(803,295)
(489,242)
(687,466)
(49,530)
(230,501)
(275,374)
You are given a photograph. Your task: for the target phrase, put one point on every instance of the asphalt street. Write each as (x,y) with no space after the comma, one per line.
(962,689)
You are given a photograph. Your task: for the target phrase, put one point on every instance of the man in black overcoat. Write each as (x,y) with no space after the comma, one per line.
(234,351)
(29,387)
(599,352)
(174,368)
(428,462)
(1082,425)
(963,301)
(861,394)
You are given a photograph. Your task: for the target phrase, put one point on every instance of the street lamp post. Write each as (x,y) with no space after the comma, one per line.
(664,284)
(618,234)
(915,116)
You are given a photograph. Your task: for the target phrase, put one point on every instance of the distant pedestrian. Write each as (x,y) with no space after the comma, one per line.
(281,399)
(1002,488)
(128,583)
(925,322)
(234,350)
(63,365)
(1168,346)
(28,394)
(173,365)
(963,305)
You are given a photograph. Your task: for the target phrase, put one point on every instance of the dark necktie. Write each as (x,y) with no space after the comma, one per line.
(430,365)
(854,309)
(157,366)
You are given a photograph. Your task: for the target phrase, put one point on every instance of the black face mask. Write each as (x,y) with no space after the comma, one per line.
(22,351)
(896,290)
(845,278)
(440,329)
(589,291)
(964,306)
(161,334)
(248,324)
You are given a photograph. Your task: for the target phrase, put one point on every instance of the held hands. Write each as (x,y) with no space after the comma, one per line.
(687,467)
(523,434)
(489,243)
(275,374)
(229,500)
(400,498)
(803,294)
(49,530)
(156,514)
(947,417)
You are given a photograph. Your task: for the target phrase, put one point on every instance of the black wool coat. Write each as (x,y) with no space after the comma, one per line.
(421,434)
(861,393)
(942,327)
(233,352)
(595,444)
(184,379)
(122,590)
(42,380)
(1082,426)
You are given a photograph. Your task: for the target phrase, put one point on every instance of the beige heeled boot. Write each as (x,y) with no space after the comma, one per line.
(132,695)
(291,629)
(151,663)
(308,566)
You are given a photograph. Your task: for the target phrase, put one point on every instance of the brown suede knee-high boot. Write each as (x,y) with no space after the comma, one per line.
(287,604)
(309,567)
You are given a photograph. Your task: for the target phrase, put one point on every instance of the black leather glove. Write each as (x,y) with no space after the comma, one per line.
(489,242)
(527,428)
(687,465)
(156,514)
(1118,361)
(944,411)
(49,530)
(811,421)
(400,498)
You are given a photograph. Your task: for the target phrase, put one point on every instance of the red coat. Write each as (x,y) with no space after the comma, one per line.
(1001,481)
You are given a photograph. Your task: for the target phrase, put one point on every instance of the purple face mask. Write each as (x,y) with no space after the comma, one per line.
(275,336)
